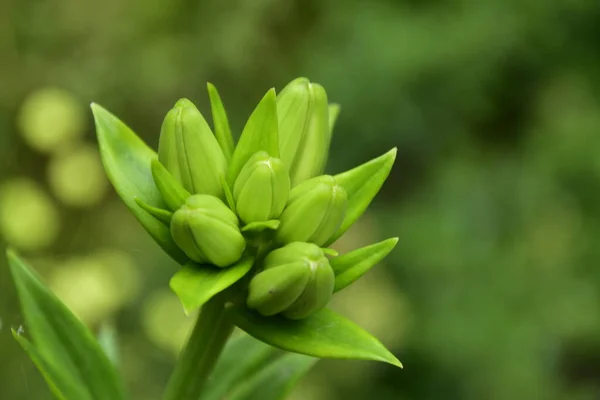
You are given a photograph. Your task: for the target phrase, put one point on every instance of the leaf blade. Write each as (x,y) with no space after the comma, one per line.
(260,133)
(163,216)
(61,386)
(334,112)
(276,380)
(58,335)
(351,266)
(220,122)
(195,285)
(362,184)
(126,159)
(173,193)
(324,334)
(242,357)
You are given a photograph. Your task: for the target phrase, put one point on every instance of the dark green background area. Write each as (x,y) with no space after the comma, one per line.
(493,291)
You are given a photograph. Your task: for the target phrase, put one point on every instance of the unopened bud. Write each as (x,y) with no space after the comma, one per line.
(190,152)
(314,212)
(207,231)
(296,281)
(261,189)
(304,133)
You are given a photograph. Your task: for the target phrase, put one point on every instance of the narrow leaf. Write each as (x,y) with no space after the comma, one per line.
(334,112)
(60,383)
(330,252)
(260,226)
(362,184)
(351,266)
(260,133)
(196,284)
(171,190)
(220,122)
(59,336)
(126,159)
(163,216)
(242,357)
(275,381)
(228,194)
(324,334)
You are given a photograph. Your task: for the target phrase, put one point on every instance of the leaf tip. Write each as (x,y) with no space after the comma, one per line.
(270,96)
(392,153)
(395,362)
(187,311)
(389,358)
(393,241)
(97,108)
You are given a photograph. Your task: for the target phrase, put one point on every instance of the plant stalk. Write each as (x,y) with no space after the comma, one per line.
(200,353)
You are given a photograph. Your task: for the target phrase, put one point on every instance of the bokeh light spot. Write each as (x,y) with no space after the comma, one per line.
(95,287)
(28,218)
(76,176)
(164,321)
(49,118)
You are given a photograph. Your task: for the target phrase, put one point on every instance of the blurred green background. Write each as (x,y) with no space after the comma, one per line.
(493,291)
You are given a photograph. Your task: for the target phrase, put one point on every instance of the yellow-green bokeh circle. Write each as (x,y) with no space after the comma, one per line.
(76,176)
(51,117)
(29,220)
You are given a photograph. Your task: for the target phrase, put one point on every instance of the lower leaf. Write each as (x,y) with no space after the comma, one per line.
(275,381)
(242,358)
(324,334)
(351,266)
(60,383)
(196,284)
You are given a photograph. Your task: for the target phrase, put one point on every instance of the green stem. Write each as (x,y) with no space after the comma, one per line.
(201,352)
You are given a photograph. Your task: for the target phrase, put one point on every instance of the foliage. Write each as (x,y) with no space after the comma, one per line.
(494,109)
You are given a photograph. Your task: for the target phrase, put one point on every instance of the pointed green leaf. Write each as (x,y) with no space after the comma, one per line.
(60,383)
(362,184)
(351,266)
(171,190)
(126,159)
(334,112)
(60,338)
(163,216)
(196,284)
(242,358)
(228,194)
(324,334)
(275,381)
(330,252)
(260,133)
(220,122)
(260,226)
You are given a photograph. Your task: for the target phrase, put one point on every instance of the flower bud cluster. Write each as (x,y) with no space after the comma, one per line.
(210,222)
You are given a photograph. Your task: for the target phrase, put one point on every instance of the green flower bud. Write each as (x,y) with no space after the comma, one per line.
(296,281)
(314,212)
(190,152)
(207,231)
(261,189)
(304,134)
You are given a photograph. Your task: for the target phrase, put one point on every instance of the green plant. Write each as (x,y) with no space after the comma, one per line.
(250,223)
